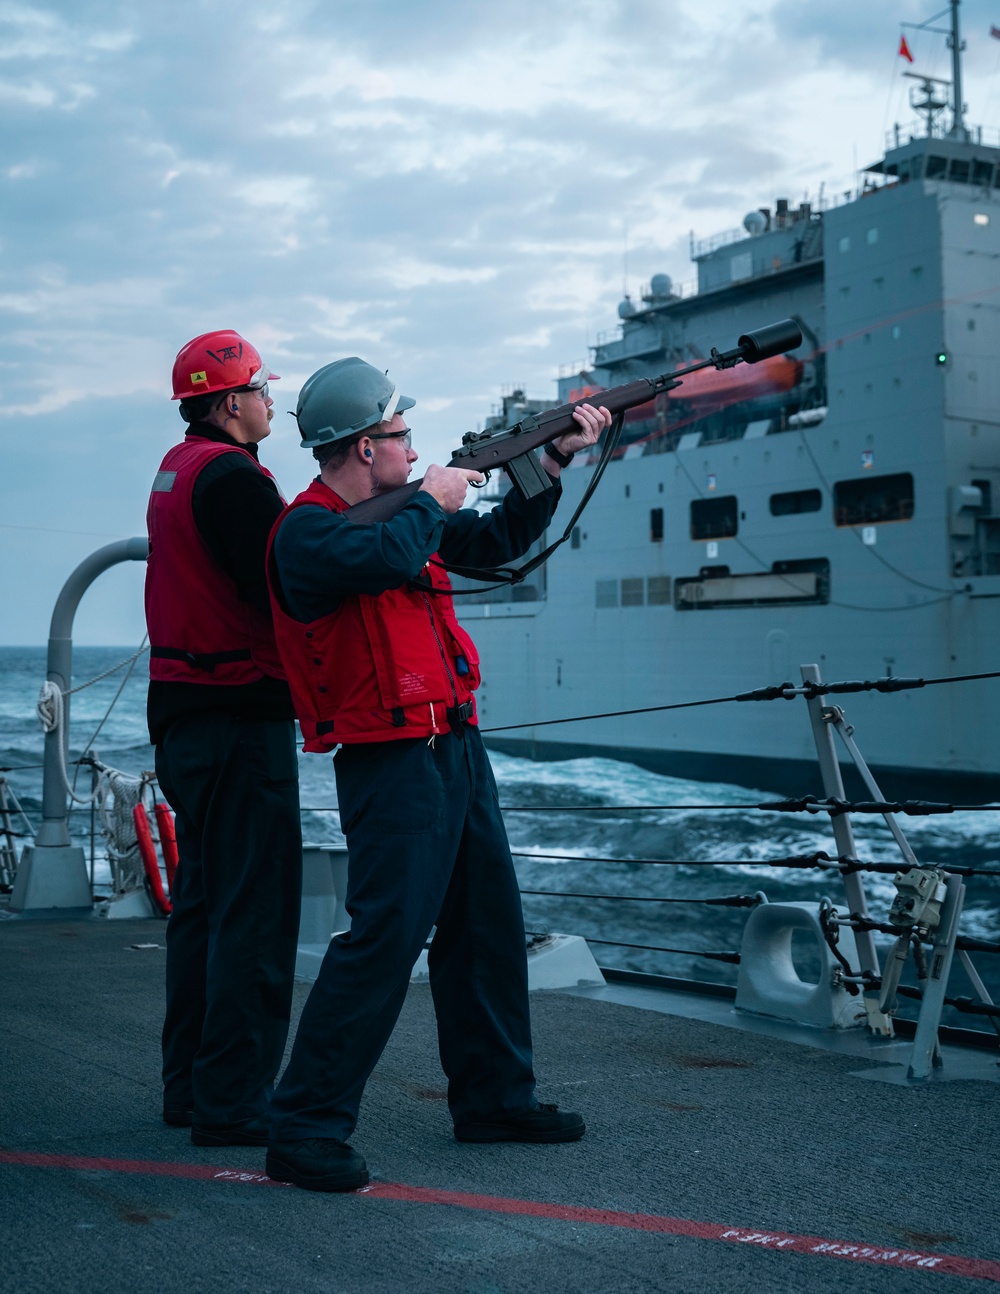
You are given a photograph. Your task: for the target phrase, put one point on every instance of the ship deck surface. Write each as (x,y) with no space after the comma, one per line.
(716,1158)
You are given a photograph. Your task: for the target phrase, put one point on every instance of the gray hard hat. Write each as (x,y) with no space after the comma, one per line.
(344,398)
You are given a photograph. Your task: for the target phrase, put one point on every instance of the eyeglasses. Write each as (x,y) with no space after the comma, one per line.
(406,436)
(263,391)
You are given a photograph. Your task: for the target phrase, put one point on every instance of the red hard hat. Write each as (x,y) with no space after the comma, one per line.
(218,361)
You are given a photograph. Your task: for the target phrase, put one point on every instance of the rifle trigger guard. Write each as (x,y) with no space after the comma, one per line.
(484,482)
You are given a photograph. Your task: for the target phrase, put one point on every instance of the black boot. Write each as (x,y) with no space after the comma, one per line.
(545,1123)
(320,1164)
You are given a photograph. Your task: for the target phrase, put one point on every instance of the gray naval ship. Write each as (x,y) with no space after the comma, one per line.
(840,504)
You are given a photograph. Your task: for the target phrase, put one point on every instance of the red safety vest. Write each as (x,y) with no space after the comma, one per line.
(379,668)
(199,629)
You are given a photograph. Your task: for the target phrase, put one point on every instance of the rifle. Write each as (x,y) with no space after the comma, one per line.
(513,449)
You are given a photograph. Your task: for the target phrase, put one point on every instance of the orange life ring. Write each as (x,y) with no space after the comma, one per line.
(168,841)
(150,861)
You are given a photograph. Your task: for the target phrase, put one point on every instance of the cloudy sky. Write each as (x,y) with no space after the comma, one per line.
(455,190)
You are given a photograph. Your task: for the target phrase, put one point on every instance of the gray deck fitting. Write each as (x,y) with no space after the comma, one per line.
(892,1055)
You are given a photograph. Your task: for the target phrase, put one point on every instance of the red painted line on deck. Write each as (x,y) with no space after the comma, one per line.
(776,1241)
(152,1167)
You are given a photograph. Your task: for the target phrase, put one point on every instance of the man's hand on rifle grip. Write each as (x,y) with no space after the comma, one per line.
(592,422)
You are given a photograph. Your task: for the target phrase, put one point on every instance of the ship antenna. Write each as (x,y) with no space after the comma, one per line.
(929,106)
(956,45)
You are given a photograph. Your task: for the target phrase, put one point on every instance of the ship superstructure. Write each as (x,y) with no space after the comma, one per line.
(838,505)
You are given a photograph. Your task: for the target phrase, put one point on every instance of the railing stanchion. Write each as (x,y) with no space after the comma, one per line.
(926,1053)
(833,786)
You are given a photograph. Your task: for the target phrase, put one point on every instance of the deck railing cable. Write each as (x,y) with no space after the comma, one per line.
(724,901)
(731,957)
(806,804)
(819,859)
(965,1004)
(776,692)
(965,942)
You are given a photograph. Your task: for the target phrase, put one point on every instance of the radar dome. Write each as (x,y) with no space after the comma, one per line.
(626,309)
(661,285)
(754,222)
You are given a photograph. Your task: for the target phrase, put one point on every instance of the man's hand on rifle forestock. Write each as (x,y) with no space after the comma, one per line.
(449,484)
(592,422)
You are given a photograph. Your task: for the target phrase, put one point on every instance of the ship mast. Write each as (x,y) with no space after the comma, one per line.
(956,45)
(930,105)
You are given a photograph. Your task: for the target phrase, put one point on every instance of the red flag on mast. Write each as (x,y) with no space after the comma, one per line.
(904,50)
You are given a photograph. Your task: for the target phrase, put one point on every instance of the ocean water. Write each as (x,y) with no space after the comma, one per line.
(737,840)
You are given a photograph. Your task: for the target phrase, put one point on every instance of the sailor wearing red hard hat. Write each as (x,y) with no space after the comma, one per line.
(220,717)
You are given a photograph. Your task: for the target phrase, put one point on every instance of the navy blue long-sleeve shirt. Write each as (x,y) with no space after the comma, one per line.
(322,557)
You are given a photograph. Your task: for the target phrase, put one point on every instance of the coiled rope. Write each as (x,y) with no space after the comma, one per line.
(119,793)
(51,711)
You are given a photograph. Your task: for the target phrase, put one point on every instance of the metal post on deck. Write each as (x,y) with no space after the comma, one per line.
(52,873)
(926,1053)
(833,785)
(8,857)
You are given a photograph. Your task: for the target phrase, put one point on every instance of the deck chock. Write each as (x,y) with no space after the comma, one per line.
(769,983)
(132,905)
(554,962)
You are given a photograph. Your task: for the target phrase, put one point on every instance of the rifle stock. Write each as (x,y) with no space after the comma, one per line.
(487,450)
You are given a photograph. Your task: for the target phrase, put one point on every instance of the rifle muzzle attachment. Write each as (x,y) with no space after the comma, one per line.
(774,339)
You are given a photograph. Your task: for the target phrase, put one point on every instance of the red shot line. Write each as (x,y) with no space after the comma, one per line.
(775,1241)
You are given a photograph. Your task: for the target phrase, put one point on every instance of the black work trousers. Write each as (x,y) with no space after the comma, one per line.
(232,783)
(426,846)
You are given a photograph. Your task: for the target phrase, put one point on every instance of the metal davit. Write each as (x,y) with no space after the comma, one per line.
(52,873)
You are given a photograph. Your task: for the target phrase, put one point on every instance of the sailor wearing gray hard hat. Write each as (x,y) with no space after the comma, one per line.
(344,398)
(381,669)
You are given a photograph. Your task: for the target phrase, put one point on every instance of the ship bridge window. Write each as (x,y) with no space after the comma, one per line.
(936,167)
(655,525)
(959,172)
(794,501)
(873,499)
(982,173)
(714,518)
